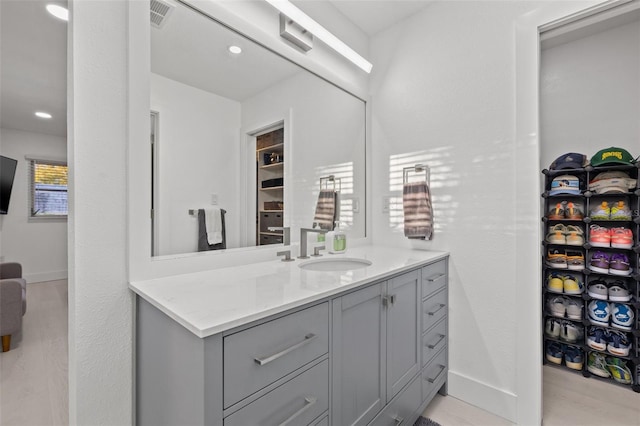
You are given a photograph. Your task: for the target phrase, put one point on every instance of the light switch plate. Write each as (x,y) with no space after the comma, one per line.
(214,199)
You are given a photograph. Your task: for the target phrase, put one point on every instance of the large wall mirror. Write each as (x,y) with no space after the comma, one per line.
(249,133)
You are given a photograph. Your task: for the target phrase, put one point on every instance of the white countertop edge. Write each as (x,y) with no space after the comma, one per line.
(246,319)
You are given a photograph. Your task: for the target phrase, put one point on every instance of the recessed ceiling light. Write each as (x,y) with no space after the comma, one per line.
(235,49)
(43,114)
(58,11)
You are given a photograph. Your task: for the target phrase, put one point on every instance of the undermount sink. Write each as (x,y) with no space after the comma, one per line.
(338,264)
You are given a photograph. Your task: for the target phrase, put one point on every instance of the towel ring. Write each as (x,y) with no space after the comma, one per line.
(418,168)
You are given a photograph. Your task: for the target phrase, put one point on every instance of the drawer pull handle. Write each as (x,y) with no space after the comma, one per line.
(432,313)
(436,277)
(442,367)
(442,336)
(309,402)
(267,359)
(398,420)
(388,300)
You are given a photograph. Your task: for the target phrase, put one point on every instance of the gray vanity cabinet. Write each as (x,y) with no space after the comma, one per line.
(359,355)
(376,351)
(373,355)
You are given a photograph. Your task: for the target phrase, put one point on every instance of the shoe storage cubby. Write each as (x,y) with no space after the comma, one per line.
(591,277)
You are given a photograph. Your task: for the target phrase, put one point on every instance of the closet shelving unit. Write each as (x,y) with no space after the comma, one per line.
(270,199)
(587,199)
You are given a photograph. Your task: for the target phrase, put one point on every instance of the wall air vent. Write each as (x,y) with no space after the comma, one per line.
(160,11)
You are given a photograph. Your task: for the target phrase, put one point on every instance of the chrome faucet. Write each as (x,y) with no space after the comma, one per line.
(303,240)
(286,233)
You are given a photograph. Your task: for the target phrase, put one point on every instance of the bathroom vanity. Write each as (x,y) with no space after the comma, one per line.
(273,343)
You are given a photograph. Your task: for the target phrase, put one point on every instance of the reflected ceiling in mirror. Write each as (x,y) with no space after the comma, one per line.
(211,112)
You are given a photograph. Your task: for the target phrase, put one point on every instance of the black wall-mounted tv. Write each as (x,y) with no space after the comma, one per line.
(7,173)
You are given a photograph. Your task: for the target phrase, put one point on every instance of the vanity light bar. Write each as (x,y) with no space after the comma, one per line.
(319,31)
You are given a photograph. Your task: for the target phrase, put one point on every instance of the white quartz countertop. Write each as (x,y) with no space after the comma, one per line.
(214,301)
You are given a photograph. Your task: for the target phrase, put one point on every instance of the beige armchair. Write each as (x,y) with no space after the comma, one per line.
(13,301)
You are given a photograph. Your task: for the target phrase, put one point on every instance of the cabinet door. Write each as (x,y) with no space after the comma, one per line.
(403,331)
(359,338)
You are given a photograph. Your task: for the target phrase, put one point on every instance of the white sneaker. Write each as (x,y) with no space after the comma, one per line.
(617,293)
(574,308)
(552,328)
(569,332)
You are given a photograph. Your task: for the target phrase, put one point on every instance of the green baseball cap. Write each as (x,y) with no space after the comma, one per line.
(611,155)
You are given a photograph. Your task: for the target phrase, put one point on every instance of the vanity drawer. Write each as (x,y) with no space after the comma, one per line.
(258,356)
(434,277)
(434,309)
(402,408)
(298,402)
(434,340)
(434,375)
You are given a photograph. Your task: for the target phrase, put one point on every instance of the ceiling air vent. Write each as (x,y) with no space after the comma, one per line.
(160,11)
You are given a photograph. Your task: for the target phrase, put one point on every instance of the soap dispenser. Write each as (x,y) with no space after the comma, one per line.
(336,240)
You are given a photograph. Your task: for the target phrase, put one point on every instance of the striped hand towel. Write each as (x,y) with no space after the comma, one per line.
(418,212)
(326,210)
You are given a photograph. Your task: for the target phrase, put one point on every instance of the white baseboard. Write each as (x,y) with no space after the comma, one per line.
(497,401)
(45,276)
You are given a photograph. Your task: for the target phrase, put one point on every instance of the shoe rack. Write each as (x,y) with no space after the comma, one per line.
(557,210)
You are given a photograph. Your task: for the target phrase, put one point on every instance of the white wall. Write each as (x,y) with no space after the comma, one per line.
(444,92)
(40,245)
(198,153)
(327,137)
(100,304)
(590,94)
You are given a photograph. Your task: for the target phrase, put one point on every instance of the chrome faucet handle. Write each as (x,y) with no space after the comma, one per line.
(316,250)
(286,233)
(303,240)
(286,254)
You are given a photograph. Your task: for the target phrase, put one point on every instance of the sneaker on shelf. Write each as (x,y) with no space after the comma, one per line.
(569,332)
(557,212)
(574,235)
(573,211)
(599,236)
(621,238)
(599,262)
(619,264)
(598,289)
(556,306)
(620,211)
(574,308)
(557,259)
(555,282)
(596,364)
(554,352)
(622,316)
(599,312)
(575,260)
(573,284)
(598,338)
(557,234)
(600,211)
(552,328)
(573,357)
(619,370)
(619,343)
(618,292)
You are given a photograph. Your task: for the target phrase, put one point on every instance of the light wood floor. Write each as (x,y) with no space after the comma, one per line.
(34,383)
(34,373)
(568,399)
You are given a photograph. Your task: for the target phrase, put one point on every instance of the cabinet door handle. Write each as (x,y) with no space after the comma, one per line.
(398,420)
(442,305)
(442,336)
(392,299)
(309,402)
(436,277)
(267,359)
(442,367)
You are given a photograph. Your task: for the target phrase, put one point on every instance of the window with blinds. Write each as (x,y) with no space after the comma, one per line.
(48,188)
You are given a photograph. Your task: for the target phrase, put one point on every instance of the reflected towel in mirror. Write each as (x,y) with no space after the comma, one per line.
(326,209)
(203,235)
(418,212)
